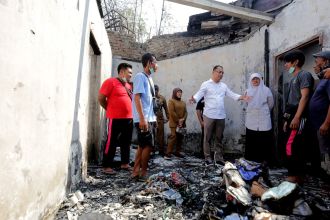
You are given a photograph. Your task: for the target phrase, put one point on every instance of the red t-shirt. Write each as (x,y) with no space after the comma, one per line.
(119,103)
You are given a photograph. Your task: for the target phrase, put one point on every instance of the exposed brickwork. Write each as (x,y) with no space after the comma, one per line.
(125,46)
(173,45)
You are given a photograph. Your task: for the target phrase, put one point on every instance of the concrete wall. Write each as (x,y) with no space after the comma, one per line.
(188,72)
(295,25)
(46,66)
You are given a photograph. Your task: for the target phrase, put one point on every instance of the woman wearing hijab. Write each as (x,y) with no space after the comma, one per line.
(258,121)
(178,115)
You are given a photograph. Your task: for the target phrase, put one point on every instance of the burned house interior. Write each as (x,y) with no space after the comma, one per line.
(53,160)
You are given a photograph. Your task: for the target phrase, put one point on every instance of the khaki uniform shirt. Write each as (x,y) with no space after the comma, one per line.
(161,101)
(177,110)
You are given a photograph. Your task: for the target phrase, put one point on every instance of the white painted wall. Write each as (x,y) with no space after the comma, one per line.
(296,23)
(188,72)
(40,44)
(136,66)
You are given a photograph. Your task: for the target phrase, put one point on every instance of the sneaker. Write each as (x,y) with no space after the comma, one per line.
(168,156)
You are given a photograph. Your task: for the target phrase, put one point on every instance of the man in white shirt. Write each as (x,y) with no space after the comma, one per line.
(214,113)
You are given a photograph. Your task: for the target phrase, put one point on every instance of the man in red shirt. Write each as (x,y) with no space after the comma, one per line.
(115,96)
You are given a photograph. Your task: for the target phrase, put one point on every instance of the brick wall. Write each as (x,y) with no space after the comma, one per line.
(173,45)
(125,46)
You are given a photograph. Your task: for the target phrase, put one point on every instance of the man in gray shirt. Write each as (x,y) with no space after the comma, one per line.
(300,90)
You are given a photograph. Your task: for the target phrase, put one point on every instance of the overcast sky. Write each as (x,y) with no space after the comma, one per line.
(180,13)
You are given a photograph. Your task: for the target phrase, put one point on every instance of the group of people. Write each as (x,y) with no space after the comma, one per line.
(141,106)
(306,114)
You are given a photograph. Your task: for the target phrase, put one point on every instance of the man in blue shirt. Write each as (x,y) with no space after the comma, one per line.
(144,117)
(319,105)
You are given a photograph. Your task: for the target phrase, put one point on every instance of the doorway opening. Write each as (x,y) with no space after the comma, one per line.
(308,47)
(93,149)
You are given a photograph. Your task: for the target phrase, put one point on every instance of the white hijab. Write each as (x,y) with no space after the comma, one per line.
(258,93)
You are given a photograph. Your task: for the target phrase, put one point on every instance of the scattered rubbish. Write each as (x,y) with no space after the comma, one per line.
(236,216)
(257,189)
(240,194)
(282,190)
(171,194)
(184,188)
(232,175)
(72,215)
(301,208)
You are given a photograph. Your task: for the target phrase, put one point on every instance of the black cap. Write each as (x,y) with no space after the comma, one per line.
(323,54)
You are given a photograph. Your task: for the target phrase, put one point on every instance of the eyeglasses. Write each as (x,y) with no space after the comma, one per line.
(219,71)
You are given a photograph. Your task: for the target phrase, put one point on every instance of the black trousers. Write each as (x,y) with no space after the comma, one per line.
(258,145)
(119,134)
(304,149)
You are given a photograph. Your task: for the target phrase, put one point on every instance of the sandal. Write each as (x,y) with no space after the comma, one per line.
(126,168)
(134,178)
(143,179)
(109,171)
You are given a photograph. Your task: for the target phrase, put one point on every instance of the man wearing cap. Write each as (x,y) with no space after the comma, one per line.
(162,106)
(322,61)
(320,104)
(115,97)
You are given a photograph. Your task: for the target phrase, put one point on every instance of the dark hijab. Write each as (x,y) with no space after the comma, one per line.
(174,96)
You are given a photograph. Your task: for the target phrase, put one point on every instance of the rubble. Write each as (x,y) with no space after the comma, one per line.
(184,188)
